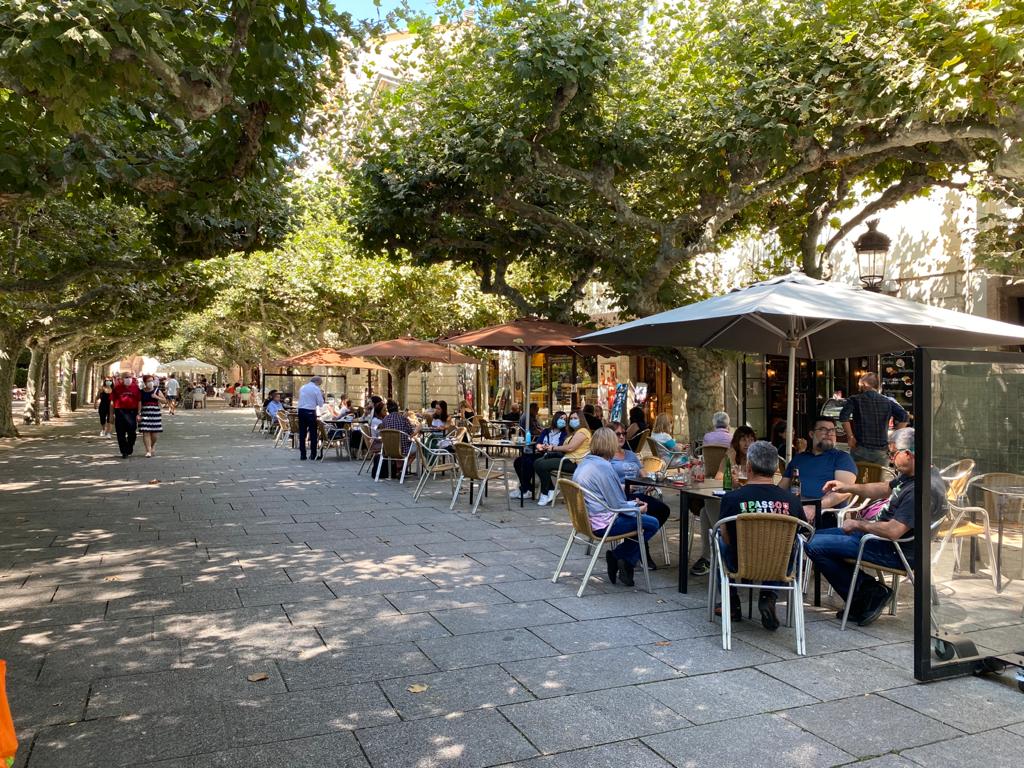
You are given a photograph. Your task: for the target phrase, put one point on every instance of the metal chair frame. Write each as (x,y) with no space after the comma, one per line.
(467,457)
(434,461)
(391,451)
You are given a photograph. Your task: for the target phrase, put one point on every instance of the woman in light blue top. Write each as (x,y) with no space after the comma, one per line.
(604,494)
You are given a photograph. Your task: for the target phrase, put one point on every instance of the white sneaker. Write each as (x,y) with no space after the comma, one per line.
(545,499)
(102,433)
(515,493)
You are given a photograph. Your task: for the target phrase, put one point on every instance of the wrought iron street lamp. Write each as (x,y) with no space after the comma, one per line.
(872,249)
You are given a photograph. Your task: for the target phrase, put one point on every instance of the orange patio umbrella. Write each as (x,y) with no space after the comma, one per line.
(328,357)
(532,335)
(410,349)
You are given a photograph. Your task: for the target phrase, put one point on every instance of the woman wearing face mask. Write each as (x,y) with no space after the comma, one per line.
(103,406)
(573,449)
(149,424)
(555,434)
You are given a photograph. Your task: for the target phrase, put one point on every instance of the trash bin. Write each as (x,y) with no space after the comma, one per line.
(73,402)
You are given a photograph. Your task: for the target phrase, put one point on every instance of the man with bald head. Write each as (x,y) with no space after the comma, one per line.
(311,397)
(866,420)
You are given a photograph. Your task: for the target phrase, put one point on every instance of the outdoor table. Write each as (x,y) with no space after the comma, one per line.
(1003,496)
(706,492)
(503,444)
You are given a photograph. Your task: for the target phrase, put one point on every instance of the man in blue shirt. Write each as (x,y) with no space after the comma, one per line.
(310,398)
(820,463)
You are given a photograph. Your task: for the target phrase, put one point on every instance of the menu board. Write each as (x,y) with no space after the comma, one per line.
(897,374)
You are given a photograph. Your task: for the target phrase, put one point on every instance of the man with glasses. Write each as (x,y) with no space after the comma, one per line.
(833,550)
(821,463)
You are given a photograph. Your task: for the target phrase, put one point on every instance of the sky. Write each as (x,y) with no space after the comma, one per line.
(365,9)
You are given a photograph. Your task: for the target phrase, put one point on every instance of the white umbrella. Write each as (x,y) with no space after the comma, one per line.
(188,365)
(800,316)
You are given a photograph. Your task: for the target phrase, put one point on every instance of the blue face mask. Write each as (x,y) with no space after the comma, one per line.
(560,423)
(574,423)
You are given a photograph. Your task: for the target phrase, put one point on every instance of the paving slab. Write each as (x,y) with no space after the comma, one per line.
(595,635)
(981,750)
(379,629)
(501,616)
(485,648)
(625,753)
(839,675)
(700,655)
(589,719)
(446,599)
(467,740)
(355,665)
(981,703)
(893,727)
(604,606)
(760,740)
(338,750)
(458,690)
(724,695)
(580,672)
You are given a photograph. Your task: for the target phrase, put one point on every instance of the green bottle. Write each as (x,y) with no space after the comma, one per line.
(727,475)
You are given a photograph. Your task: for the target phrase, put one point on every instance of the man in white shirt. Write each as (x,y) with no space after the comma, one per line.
(310,398)
(172,394)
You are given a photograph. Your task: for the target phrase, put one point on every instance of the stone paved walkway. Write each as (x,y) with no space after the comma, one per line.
(226,605)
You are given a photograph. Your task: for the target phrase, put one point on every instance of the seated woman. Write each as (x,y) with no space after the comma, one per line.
(627,466)
(465,412)
(637,424)
(573,449)
(273,405)
(661,433)
(555,434)
(603,494)
(736,453)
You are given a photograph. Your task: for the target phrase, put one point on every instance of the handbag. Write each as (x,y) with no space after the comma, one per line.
(8,740)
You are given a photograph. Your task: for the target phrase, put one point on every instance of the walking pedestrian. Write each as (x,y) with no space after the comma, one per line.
(103,406)
(172,395)
(126,397)
(150,424)
(310,397)
(866,418)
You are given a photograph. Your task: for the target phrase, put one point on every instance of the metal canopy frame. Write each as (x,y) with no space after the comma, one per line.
(927,666)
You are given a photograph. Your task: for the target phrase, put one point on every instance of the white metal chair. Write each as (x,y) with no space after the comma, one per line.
(285,429)
(575,501)
(433,461)
(767,549)
(370,447)
(330,438)
(558,475)
(468,458)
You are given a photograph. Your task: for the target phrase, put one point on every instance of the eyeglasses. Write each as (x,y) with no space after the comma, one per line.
(620,434)
(894,454)
(826,430)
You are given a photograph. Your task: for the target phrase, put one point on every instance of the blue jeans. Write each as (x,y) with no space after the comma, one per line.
(828,549)
(307,428)
(628,550)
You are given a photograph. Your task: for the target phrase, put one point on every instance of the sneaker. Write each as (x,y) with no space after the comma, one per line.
(874,606)
(545,499)
(515,493)
(102,433)
(766,605)
(700,568)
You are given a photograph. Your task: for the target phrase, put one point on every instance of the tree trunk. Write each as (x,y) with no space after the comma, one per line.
(66,366)
(52,383)
(34,386)
(10,349)
(705,392)
(81,382)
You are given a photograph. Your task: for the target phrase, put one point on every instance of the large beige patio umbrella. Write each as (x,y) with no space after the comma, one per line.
(801,316)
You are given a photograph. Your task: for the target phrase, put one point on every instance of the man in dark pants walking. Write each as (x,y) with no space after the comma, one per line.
(310,396)
(126,400)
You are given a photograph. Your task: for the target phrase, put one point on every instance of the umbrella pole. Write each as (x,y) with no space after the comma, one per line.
(526,381)
(790,398)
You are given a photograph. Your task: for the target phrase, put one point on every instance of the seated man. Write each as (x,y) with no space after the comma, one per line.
(720,434)
(760,494)
(821,463)
(397,420)
(830,548)
(274,405)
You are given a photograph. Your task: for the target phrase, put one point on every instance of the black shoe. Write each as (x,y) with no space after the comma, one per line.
(626,573)
(734,608)
(613,565)
(700,568)
(650,562)
(875,605)
(766,605)
(302,458)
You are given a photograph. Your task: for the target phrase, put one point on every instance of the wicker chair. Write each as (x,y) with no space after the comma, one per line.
(468,458)
(369,446)
(286,429)
(434,462)
(714,455)
(558,474)
(765,547)
(581,532)
(957,475)
(655,464)
(392,453)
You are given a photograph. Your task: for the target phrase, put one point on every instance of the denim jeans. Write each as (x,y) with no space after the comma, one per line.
(829,548)
(628,550)
(307,426)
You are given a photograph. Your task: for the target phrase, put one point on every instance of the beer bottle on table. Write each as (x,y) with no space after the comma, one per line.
(727,475)
(794,484)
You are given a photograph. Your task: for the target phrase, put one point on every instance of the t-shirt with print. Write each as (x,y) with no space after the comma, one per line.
(900,505)
(759,497)
(815,471)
